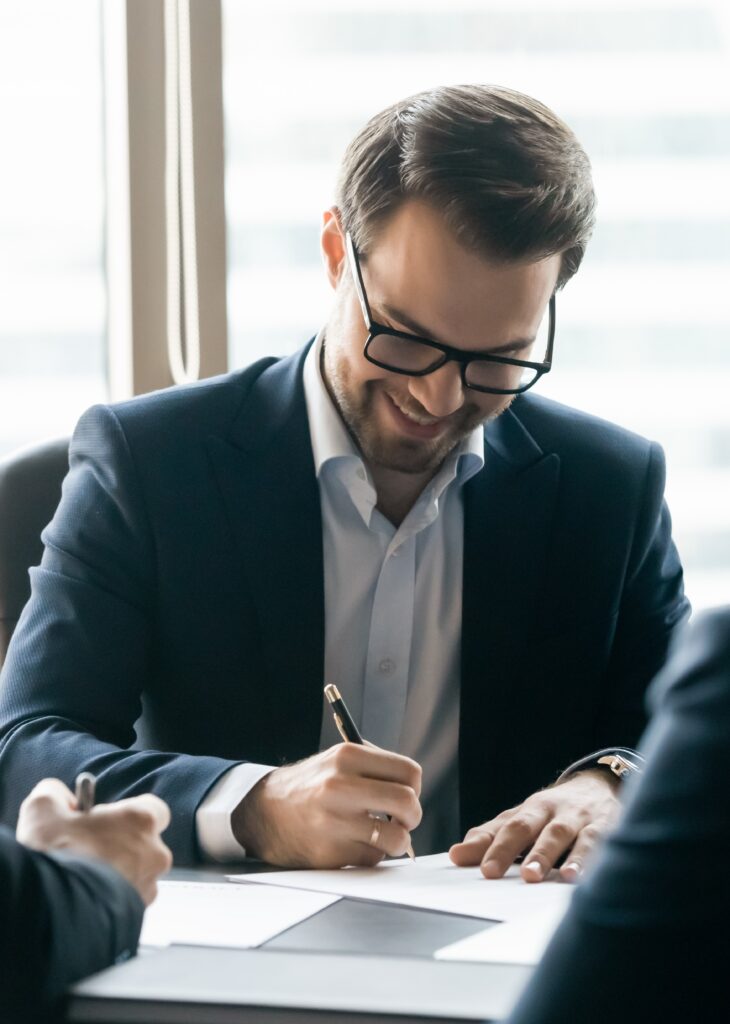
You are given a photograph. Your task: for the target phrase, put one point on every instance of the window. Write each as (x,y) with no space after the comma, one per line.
(52,298)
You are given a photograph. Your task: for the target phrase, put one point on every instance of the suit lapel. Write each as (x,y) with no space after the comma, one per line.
(508,515)
(265,472)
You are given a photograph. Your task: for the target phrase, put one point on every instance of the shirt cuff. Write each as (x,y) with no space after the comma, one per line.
(213,817)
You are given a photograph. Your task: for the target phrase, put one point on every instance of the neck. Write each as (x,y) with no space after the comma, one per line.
(397,492)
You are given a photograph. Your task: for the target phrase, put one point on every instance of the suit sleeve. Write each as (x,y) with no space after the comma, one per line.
(652,606)
(645,938)
(83,649)
(61,918)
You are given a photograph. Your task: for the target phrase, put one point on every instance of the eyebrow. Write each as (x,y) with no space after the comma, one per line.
(402,318)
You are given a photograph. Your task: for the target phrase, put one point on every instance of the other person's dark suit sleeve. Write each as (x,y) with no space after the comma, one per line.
(646,937)
(61,918)
(75,670)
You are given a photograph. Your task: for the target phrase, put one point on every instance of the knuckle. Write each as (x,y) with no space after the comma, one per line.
(591,833)
(416,777)
(342,756)
(164,858)
(39,802)
(519,826)
(560,831)
(138,818)
(479,832)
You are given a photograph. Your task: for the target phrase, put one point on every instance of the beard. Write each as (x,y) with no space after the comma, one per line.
(358,407)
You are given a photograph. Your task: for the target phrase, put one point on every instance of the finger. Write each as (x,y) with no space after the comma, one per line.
(515,835)
(557,837)
(52,793)
(374,763)
(146,811)
(583,848)
(387,836)
(350,796)
(470,851)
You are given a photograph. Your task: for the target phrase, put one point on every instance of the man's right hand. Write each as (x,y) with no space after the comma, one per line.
(317,813)
(125,834)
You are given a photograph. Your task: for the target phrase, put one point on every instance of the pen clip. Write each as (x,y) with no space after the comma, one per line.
(340,727)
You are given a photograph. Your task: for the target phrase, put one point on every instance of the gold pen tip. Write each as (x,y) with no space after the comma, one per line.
(331,693)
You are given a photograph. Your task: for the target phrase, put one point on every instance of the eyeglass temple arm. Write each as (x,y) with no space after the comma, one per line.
(357,277)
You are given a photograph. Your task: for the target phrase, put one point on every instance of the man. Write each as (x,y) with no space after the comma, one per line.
(488,577)
(75,906)
(646,937)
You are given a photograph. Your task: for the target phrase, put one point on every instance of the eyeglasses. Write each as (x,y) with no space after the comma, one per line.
(408,354)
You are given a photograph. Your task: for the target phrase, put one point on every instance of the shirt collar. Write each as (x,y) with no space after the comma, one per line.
(330,438)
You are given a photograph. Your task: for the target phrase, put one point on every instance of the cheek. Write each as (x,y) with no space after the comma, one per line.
(486,407)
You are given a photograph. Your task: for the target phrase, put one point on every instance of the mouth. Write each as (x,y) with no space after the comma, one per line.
(418,426)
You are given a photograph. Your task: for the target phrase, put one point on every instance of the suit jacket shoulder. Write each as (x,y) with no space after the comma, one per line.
(579,435)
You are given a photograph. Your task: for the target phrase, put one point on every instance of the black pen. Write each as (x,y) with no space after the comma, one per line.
(351,734)
(85,791)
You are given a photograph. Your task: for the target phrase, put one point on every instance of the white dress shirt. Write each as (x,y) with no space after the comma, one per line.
(392,622)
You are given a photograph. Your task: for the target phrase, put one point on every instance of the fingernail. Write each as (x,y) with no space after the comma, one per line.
(535,867)
(492,869)
(572,870)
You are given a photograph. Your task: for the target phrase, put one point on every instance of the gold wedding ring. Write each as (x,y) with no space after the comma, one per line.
(375,834)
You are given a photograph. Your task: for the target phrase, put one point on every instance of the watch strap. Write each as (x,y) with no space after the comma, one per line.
(619,761)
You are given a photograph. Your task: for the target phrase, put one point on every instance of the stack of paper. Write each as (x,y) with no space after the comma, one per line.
(212,914)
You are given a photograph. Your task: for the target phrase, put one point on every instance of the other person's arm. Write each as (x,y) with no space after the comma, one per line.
(73,904)
(646,937)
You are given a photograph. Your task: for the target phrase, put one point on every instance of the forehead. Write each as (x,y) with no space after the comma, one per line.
(417,265)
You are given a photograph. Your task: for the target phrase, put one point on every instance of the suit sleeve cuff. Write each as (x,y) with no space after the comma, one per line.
(213,816)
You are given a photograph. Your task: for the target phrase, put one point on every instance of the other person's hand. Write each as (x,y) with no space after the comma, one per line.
(125,834)
(316,813)
(566,819)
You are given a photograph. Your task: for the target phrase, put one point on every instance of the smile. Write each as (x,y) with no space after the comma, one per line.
(423,427)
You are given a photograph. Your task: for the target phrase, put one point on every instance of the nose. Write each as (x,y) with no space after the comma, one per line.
(441,392)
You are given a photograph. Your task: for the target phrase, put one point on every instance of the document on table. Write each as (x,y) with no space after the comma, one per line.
(212,914)
(522,941)
(431,883)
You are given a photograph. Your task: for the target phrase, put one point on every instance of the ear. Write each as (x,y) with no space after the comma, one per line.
(332,244)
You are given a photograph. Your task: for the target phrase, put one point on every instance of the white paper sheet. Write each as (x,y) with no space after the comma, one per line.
(522,941)
(432,883)
(212,914)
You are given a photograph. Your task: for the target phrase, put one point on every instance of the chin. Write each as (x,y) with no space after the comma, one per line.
(405,456)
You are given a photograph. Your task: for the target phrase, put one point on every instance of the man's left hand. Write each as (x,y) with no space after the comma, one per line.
(566,819)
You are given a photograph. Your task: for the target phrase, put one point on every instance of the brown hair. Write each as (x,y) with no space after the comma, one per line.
(509,177)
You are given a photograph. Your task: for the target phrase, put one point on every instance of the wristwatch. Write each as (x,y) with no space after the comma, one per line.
(618,761)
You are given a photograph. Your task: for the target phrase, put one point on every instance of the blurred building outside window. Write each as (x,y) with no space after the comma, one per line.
(643,333)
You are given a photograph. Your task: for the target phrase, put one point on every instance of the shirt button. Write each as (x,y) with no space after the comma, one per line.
(386,666)
(361,474)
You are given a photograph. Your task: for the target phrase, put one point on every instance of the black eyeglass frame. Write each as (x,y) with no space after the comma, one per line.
(449,354)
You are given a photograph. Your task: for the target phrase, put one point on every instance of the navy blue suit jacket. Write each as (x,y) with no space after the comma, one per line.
(182,585)
(61,918)
(646,938)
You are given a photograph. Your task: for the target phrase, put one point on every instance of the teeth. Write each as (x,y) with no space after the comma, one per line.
(420,420)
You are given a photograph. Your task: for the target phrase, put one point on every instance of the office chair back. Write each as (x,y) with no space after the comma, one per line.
(30,488)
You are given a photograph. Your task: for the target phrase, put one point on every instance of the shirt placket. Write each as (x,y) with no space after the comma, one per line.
(389,646)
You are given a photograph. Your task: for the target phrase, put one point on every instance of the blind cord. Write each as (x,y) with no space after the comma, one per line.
(181,240)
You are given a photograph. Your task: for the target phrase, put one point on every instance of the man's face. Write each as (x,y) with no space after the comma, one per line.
(419,279)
